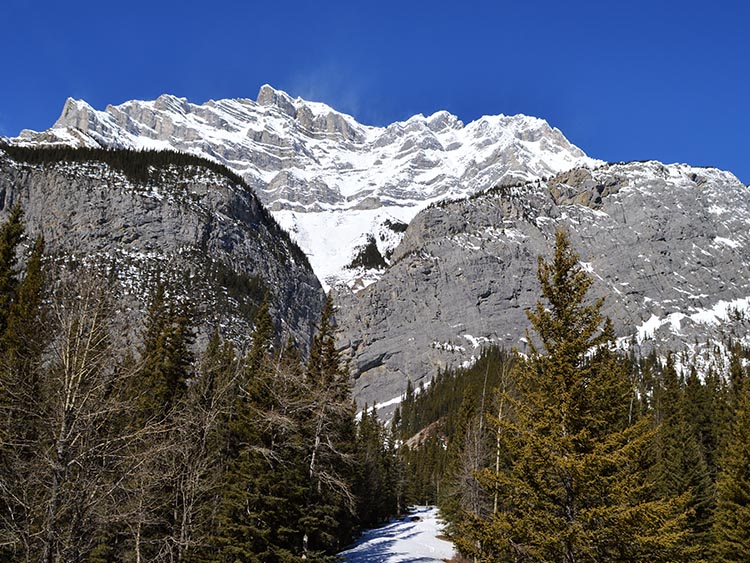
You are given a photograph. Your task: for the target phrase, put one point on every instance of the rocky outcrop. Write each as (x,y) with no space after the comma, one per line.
(667,246)
(203,231)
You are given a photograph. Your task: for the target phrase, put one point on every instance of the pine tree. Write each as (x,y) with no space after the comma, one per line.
(22,342)
(328,437)
(263,483)
(681,468)
(732,517)
(166,356)
(11,235)
(577,488)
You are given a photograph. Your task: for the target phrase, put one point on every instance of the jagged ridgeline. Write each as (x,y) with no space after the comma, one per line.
(143,215)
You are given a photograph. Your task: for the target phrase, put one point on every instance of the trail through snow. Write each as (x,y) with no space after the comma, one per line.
(412,539)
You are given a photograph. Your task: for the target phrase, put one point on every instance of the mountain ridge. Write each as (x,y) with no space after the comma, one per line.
(314,166)
(428,230)
(140,216)
(667,246)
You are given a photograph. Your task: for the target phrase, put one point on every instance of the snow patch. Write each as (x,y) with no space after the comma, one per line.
(727,242)
(720,312)
(412,538)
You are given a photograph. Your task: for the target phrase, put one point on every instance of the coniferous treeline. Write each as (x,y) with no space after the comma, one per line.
(138,166)
(161,452)
(582,453)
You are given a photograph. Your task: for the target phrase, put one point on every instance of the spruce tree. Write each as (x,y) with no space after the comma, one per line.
(681,468)
(166,356)
(328,434)
(22,342)
(263,483)
(732,517)
(577,488)
(11,235)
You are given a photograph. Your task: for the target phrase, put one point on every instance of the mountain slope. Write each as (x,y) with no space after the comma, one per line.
(335,184)
(668,246)
(143,215)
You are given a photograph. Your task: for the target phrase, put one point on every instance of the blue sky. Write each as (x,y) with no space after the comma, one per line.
(622,80)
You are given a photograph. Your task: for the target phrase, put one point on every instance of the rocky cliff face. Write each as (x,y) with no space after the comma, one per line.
(203,231)
(334,183)
(667,246)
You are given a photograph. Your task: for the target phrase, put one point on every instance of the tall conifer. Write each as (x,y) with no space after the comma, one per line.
(732,517)
(577,489)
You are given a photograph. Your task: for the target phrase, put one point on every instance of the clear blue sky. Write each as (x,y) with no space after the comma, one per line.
(622,80)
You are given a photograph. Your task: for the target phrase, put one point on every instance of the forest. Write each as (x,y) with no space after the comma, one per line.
(162,451)
(167,451)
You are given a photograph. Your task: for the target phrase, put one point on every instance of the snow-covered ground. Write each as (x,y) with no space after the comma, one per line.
(413,539)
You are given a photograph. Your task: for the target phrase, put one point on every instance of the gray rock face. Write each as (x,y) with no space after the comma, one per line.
(312,165)
(667,246)
(202,230)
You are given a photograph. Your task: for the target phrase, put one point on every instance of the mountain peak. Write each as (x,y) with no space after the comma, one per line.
(74,114)
(333,182)
(268,96)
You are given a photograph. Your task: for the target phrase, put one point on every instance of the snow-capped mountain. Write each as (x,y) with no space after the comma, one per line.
(449,219)
(344,190)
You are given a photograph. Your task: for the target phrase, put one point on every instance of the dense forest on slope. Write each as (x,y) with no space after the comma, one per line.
(580,452)
(159,451)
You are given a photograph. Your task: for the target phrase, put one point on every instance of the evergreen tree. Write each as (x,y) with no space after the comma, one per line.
(11,235)
(681,467)
(328,436)
(22,341)
(166,356)
(263,483)
(577,488)
(732,517)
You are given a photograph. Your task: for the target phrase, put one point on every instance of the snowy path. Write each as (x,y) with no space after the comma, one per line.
(410,540)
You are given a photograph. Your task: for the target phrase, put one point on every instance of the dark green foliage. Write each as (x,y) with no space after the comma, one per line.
(441,400)
(328,441)
(681,468)
(22,340)
(378,481)
(166,356)
(731,526)
(248,291)
(138,166)
(11,235)
(430,422)
(396,226)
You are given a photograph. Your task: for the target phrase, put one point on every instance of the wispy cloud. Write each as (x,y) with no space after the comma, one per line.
(343,88)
